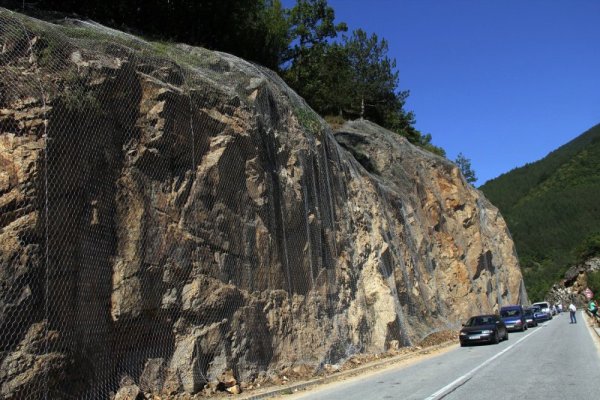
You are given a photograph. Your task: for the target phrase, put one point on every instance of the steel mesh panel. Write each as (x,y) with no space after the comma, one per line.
(168,213)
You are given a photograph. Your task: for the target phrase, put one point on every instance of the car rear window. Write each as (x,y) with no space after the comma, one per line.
(510,313)
(475,321)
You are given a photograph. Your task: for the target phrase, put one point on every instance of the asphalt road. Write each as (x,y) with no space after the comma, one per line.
(556,360)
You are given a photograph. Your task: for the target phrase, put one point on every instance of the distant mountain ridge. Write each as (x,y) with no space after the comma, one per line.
(551,206)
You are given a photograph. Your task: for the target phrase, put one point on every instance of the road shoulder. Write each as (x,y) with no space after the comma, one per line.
(349,375)
(593,328)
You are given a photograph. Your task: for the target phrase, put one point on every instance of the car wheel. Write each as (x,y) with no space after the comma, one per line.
(462,344)
(496,338)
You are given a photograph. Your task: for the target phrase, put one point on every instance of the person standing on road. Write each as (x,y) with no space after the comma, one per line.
(572,310)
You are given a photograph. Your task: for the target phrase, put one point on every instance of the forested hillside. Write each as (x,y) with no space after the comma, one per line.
(551,206)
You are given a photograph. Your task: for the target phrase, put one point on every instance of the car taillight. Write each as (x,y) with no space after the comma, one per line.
(518,322)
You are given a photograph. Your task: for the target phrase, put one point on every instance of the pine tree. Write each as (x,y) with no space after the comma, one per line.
(464,164)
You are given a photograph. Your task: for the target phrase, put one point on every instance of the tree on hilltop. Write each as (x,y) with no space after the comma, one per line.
(311,26)
(464,164)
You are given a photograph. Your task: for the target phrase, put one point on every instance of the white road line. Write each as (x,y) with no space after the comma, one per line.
(466,376)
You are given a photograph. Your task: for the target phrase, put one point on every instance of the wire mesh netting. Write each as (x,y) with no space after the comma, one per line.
(169,215)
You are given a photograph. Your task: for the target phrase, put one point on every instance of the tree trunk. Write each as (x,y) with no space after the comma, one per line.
(362,108)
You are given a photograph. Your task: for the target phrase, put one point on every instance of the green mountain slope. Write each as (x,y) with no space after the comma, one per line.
(551,206)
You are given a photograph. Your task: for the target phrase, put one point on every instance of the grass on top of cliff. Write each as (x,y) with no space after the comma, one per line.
(59,37)
(309,120)
(334,121)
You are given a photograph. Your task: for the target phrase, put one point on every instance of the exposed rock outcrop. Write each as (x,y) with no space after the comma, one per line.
(169,214)
(571,288)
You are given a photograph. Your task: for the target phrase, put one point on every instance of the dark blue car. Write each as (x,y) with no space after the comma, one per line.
(514,318)
(530,317)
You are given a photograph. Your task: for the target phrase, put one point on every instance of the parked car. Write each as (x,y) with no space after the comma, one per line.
(539,315)
(483,329)
(513,318)
(545,308)
(529,317)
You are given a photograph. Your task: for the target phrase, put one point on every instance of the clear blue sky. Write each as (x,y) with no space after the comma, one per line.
(503,82)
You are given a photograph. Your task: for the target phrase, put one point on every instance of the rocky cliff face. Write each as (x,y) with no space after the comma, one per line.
(168,213)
